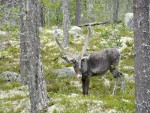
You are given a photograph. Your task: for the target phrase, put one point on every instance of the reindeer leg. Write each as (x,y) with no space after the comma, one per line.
(85,84)
(113,71)
(115,87)
(117,74)
(122,83)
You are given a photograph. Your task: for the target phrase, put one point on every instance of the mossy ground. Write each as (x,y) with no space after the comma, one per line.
(64,93)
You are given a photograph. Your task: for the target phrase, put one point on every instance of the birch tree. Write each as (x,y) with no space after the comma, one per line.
(142,55)
(66,22)
(36,82)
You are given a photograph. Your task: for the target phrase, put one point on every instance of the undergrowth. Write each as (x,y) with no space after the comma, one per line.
(63,91)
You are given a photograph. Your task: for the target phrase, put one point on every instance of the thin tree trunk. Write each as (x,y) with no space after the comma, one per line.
(90,9)
(41,15)
(142,55)
(78,12)
(48,19)
(108,10)
(127,6)
(83,10)
(23,43)
(66,22)
(115,9)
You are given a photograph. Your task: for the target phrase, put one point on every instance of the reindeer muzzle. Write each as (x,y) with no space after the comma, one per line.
(79,76)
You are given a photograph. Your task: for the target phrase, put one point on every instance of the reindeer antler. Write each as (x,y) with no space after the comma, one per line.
(56,35)
(86,42)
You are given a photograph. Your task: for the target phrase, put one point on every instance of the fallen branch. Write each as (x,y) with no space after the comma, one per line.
(97,23)
(93,24)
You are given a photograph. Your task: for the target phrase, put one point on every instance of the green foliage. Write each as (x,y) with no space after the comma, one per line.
(129,44)
(66,92)
(6,27)
(61,88)
(7,86)
(9,59)
(102,11)
(14,98)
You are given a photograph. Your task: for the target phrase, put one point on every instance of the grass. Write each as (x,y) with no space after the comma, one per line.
(64,93)
(16,97)
(8,86)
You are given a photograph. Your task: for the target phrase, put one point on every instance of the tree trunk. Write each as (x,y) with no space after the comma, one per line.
(142,55)
(23,42)
(41,15)
(66,22)
(115,9)
(78,12)
(84,11)
(127,6)
(36,84)
(90,9)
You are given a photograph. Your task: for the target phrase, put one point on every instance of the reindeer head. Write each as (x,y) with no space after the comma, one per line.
(74,59)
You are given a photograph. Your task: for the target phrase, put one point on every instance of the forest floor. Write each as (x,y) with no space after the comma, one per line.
(65,92)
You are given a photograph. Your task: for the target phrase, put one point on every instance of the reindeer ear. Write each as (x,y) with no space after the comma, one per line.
(86,57)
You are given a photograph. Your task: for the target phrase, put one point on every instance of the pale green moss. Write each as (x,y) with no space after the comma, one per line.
(62,91)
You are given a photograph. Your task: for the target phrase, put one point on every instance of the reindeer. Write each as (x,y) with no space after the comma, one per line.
(97,63)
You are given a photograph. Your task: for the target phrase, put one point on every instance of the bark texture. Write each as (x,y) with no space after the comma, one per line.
(66,22)
(90,9)
(42,15)
(115,9)
(36,82)
(142,55)
(23,42)
(78,12)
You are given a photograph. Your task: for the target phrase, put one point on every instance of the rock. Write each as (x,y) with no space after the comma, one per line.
(76,31)
(64,72)
(129,20)
(10,76)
